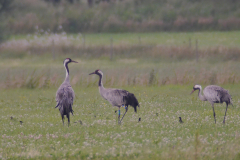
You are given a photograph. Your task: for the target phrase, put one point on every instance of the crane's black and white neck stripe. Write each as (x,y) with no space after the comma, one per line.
(100,74)
(199,88)
(65,64)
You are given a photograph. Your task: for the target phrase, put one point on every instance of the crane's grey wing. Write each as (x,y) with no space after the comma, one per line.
(223,95)
(214,93)
(116,96)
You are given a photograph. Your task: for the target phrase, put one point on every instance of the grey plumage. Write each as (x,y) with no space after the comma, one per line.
(214,94)
(117,97)
(65,94)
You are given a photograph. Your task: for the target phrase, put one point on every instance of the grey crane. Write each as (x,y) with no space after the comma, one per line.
(117,97)
(214,94)
(65,94)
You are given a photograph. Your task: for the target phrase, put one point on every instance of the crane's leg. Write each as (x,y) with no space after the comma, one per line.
(63,119)
(68,117)
(119,113)
(214,113)
(225,114)
(126,108)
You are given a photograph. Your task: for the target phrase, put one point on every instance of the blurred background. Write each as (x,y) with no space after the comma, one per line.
(134,42)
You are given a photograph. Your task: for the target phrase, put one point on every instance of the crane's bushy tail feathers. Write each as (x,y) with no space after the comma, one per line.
(229,99)
(71,110)
(132,101)
(57,105)
(65,107)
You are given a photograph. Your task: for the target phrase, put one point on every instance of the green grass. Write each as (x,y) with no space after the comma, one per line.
(162,87)
(159,135)
(205,39)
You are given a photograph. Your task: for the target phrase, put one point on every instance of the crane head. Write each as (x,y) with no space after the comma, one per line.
(68,60)
(195,87)
(98,72)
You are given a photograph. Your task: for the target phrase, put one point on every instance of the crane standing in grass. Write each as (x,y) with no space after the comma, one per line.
(65,94)
(214,94)
(117,97)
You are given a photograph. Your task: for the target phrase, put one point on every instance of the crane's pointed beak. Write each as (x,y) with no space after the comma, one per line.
(74,61)
(192,91)
(92,73)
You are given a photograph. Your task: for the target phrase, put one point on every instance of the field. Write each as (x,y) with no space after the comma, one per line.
(205,39)
(160,69)
(159,135)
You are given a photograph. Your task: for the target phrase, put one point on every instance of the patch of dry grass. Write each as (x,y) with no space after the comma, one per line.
(123,72)
(36,62)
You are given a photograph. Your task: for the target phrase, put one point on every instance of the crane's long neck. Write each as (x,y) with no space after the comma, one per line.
(102,90)
(67,72)
(200,94)
(100,84)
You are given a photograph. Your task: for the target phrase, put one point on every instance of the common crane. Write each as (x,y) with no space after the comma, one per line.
(117,97)
(214,94)
(65,94)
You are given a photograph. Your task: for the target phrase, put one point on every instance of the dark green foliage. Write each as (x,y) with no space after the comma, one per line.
(5,5)
(58,1)
(4,32)
(53,1)
(120,16)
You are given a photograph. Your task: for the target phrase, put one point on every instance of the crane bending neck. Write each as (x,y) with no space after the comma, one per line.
(201,97)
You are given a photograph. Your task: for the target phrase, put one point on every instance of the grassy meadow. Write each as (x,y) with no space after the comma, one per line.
(205,39)
(159,68)
(159,135)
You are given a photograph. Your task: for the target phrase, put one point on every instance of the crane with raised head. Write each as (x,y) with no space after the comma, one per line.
(65,94)
(117,97)
(214,94)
